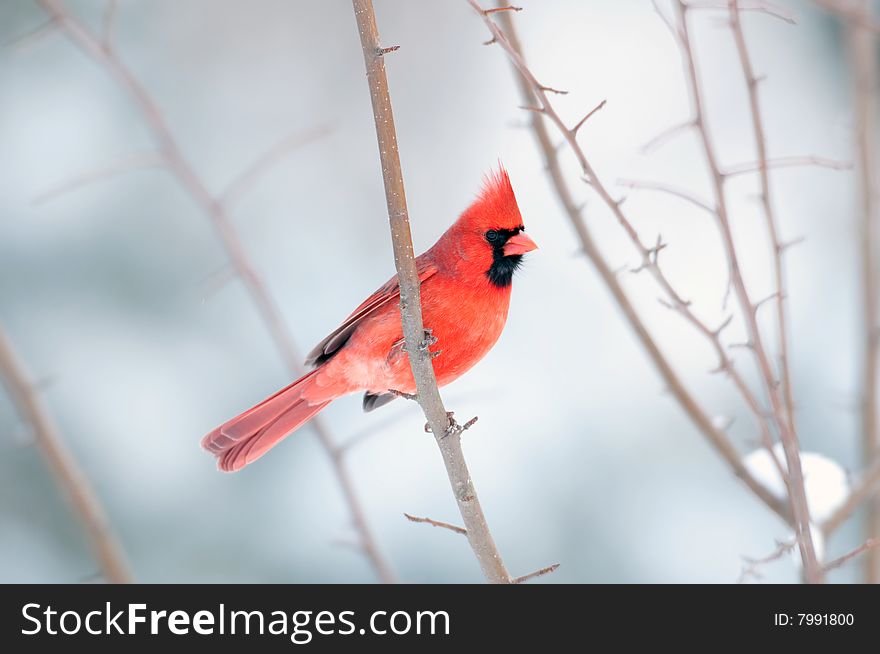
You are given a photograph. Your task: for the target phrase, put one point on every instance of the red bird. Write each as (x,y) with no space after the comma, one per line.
(465,280)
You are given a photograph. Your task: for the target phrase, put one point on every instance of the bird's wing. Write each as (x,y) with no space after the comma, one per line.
(390,292)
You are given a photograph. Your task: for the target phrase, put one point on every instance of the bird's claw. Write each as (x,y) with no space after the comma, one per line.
(427,342)
(429,339)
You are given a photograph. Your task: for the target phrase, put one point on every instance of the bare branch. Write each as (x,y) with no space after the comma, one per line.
(765,300)
(131,163)
(781,408)
(867,546)
(487,12)
(531,91)
(246,178)
(671,190)
(786,162)
(652,260)
(785,245)
(23,41)
(536,573)
(437,523)
(195,187)
(550,89)
(588,116)
(866,488)
(666,135)
(758,6)
(752,567)
(478,534)
(862,46)
(86,505)
(673,29)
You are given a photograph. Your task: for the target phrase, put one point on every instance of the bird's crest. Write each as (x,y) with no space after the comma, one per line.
(496,205)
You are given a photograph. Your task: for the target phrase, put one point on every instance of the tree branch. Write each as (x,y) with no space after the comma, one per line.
(867,488)
(772,225)
(760,6)
(666,135)
(869,546)
(752,567)
(683,194)
(786,162)
(86,505)
(21,42)
(532,92)
(246,178)
(536,573)
(437,523)
(194,186)
(786,428)
(133,162)
(863,56)
(449,441)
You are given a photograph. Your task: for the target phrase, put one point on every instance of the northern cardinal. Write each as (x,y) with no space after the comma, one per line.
(465,281)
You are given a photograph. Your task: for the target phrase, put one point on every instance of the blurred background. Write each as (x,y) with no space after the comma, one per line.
(117,294)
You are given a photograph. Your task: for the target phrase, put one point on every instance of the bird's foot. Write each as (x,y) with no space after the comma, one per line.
(453,428)
(429,339)
(427,342)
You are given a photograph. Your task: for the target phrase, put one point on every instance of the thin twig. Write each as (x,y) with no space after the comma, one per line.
(786,429)
(437,523)
(869,546)
(666,135)
(531,90)
(86,505)
(536,573)
(501,8)
(478,534)
(193,184)
(776,250)
(21,42)
(786,162)
(757,6)
(752,567)
(138,161)
(681,193)
(867,487)
(587,117)
(246,179)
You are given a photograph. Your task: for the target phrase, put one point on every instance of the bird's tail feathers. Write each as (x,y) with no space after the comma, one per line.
(247,437)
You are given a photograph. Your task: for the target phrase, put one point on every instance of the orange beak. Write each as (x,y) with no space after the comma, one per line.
(519,244)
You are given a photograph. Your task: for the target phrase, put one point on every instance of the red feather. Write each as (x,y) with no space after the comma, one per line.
(463,307)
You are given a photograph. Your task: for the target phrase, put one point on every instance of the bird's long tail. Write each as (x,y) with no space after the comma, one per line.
(247,437)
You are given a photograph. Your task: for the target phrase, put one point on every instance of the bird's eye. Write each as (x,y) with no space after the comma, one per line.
(491,236)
